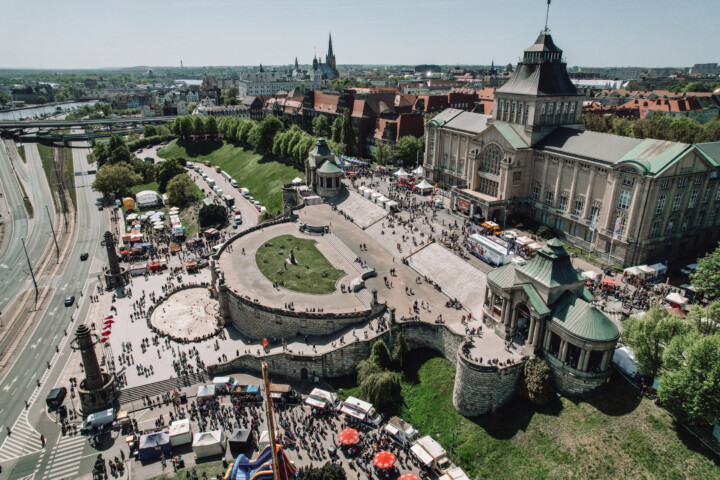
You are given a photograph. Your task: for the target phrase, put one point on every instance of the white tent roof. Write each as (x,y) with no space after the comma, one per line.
(624,358)
(590,275)
(424,185)
(383,199)
(400,173)
(418,172)
(523,240)
(646,269)
(535,246)
(146,196)
(296,180)
(456,473)
(132,216)
(180,427)
(206,391)
(632,271)
(209,443)
(659,268)
(675,297)
(421,454)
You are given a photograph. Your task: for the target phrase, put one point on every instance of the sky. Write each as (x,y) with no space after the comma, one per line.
(59,34)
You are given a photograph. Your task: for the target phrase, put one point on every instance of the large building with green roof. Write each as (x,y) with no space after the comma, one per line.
(544,306)
(640,200)
(322,172)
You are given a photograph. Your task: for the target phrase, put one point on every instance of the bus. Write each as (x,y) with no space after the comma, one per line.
(490,250)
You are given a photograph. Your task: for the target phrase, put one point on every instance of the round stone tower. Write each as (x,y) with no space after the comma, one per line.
(97,389)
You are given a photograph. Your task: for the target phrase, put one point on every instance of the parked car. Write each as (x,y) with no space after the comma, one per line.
(83,256)
(55,397)
(688,269)
(69,301)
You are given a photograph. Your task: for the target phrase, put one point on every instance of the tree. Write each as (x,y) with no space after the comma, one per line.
(706,278)
(382,390)
(166,171)
(212,216)
(380,355)
(383,153)
(4,98)
(336,130)
(243,131)
(150,131)
(410,149)
(118,150)
(705,318)
(100,154)
(329,471)
(115,180)
(401,349)
(697,87)
(691,389)
(321,126)
(42,99)
(536,382)
(144,169)
(366,368)
(211,126)
(198,126)
(649,335)
(262,134)
(181,190)
(60,97)
(347,132)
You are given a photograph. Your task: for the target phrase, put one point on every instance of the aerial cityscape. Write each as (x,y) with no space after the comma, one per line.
(329,240)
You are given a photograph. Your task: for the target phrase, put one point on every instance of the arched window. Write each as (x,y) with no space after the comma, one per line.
(491,160)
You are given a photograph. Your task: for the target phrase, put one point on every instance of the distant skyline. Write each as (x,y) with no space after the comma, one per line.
(75,34)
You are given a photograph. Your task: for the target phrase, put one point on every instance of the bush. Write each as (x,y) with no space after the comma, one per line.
(380,355)
(212,216)
(536,382)
(545,232)
(382,390)
(144,142)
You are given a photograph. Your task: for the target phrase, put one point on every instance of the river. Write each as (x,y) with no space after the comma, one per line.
(37,111)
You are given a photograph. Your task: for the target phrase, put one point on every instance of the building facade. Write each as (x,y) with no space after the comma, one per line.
(638,201)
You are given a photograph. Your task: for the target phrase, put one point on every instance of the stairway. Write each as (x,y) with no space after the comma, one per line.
(133,394)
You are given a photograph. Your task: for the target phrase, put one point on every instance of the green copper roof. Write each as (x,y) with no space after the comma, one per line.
(583,320)
(654,155)
(535,299)
(329,167)
(321,148)
(510,135)
(711,151)
(551,266)
(503,277)
(443,117)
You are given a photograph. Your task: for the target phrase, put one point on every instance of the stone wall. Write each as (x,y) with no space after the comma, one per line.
(258,321)
(572,383)
(480,389)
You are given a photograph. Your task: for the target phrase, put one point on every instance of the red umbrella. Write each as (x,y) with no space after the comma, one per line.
(106,333)
(384,459)
(349,436)
(408,476)
(108,317)
(109,322)
(103,340)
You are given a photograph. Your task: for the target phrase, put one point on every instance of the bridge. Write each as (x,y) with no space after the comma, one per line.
(22,125)
(71,137)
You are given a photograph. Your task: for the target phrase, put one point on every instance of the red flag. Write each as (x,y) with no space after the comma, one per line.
(265,342)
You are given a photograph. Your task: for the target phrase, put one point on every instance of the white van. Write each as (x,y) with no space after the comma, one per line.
(233,183)
(245,192)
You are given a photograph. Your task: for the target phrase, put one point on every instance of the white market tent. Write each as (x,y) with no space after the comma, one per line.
(647,271)
(401,173)
(383,199)
(660,269)
(321,398)
(624,359)
(376,195)
(150,213)
(424,186)
(523,240)
(147,198)
(590,275)
(390,205)
(675,297)
(132,216)
(422,455)
(418,172)
(158,227)
(535,246)
(632,271)
(210,443)
(296,180)
(206,391)
(180,433)
(368,192)
(357,409)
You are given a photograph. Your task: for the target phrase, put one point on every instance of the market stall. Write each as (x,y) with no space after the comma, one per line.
(207,444)
(206,392)
(153,445)
(241,440)
(180,433)
(424,187)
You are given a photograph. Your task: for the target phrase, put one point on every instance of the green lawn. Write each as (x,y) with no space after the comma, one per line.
(307,255)
(21,152)
(263,176)
(607,436)
(210,468)
(46,157)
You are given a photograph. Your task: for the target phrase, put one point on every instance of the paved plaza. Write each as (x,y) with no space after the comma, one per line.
(363,212)
(189,313)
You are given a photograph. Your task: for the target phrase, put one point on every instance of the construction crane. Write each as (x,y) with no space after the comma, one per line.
(271,422)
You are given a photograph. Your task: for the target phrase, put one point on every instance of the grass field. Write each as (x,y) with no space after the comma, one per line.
(611,435)
(211,469)
(21,152)
(263,176)
(306,254)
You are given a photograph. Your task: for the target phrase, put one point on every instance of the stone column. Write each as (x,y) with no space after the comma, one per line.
(492,304)
(573,185)
(506,311)
(546,160)
(634,230)
(546,343)
(605,360)
(563,350)
(608,203)
(556,197)
(514,321)
(586,360)
(487,292)
(581,359)
(538,332)
(531,331)
(588,193)
(374,296)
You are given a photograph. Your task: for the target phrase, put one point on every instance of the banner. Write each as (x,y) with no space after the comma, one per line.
(593,222)
(463,206)
(618,228)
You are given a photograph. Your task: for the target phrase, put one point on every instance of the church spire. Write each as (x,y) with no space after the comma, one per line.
(330,52)
(547,14)
(296,64)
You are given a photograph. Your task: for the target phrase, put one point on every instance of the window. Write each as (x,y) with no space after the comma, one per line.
(491,160)
(676,202)
(543,109)
(717,195)
(698,179)
(706,195)
(654,229)
(517,176)
(488,187)
(698,221)
(519,111)
(445,161)
(536,193)
(665,184)
(693,199)
(711,218)
(588,235)
(628,181)
(563,203)
(579,206)
(558,224)
(461,166)
(660,205)
(624,201)
(682,182)
(549,198)
(669,227)
(572,108)
(573,230)
(525,113)
(595,211)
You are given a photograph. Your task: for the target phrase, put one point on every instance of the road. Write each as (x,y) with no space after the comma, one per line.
(21,455)
(15,277)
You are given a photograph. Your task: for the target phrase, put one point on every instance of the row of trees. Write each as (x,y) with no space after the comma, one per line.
(409,150)
(660,127)
(294,144)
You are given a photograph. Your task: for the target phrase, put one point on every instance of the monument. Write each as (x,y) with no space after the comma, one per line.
(97,389)
(115,275)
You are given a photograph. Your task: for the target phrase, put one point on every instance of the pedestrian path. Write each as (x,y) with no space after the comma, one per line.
(65,458)
(23,440)
(344,251)
(365,297)
(134,394)
(362,211)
